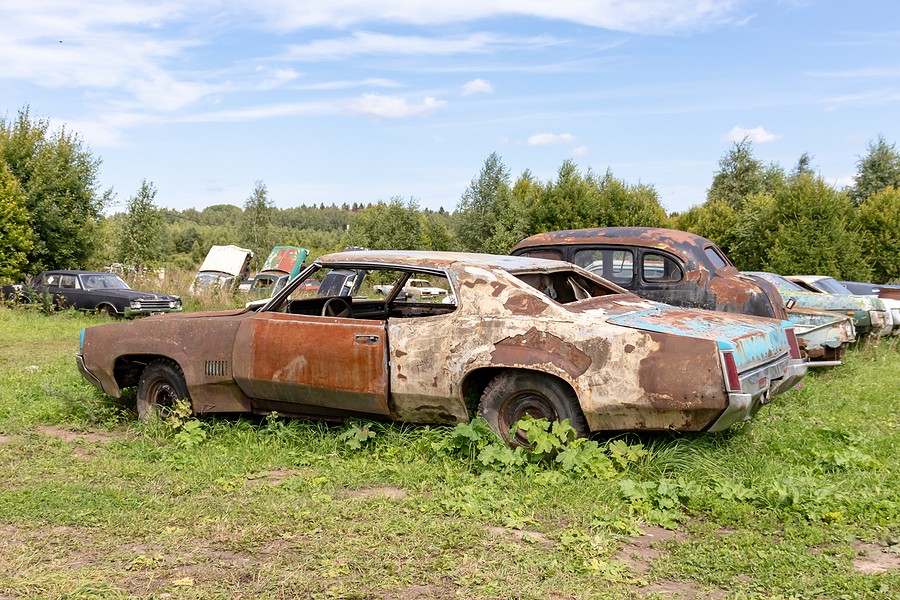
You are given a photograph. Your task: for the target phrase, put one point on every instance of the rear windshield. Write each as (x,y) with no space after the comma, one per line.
(565,286)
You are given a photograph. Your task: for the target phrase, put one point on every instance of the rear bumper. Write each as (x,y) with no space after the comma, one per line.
(758,387)
(79,360)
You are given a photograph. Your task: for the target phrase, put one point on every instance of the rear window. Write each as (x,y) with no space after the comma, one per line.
(656,268)
(716,257)
(565,286)
(548,253)
(613,265)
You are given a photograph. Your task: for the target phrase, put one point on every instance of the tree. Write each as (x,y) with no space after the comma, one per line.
(879,219)
(714,220)
(480,205)
(741,174)
(877,170)
(814,233)
(16,236)
(140,239)
(257,223)
(59,178)
(394,225)
(627,205)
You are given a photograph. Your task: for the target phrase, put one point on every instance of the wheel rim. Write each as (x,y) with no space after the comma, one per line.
(161,399)
(524,403)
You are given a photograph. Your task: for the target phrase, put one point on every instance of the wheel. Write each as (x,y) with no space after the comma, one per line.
(336,307)
(108,309)
(161,385)
(513,394)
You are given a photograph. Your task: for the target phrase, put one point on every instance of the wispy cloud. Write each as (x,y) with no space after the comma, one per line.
(546,139)
(394,107)
(477,86)
(579,151)
(644,16)
(757,135)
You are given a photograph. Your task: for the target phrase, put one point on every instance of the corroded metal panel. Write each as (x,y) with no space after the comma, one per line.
(318,361)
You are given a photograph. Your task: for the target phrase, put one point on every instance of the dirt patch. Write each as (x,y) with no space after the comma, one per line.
(387,491)
(5,439)
(682,591)
(522,535)
(874,559)
(640,552)
(418,592)
(72,436)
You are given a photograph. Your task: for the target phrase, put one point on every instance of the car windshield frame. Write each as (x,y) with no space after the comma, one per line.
(831,285)
(110,281)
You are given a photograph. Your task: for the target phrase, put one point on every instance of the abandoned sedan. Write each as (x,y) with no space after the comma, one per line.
(519,336)
(665,265)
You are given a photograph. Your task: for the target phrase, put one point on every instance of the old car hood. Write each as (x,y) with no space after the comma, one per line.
(753,340)
(225,259)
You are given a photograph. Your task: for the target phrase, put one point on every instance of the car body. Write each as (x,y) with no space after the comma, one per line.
(283,264)
(823,336)
(94,291)
(597,354)
(665,265)
(829,285)
(869,314)
(223,269)
(882,290)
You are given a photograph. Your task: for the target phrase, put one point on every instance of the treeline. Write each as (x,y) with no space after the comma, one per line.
(764,217)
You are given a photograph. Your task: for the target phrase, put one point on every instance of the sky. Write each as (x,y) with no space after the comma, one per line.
(343,101)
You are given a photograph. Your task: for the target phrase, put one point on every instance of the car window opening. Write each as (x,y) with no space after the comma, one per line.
(565,287)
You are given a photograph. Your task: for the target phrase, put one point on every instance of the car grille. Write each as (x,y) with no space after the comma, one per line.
(154,305)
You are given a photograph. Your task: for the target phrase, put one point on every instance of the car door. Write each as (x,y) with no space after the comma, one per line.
(311,361)
(663,278)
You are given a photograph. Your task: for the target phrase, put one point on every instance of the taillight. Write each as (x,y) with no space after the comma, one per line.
(732,381)
(792,342)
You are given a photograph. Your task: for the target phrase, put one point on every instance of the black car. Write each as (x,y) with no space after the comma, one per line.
(92,291)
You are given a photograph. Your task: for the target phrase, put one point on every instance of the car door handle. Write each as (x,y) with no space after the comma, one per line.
(362,338)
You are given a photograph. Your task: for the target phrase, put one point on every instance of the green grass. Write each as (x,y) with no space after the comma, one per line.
(93,504)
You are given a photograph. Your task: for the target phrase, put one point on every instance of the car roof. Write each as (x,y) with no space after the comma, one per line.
(440,260)
(76,272)
(679,242)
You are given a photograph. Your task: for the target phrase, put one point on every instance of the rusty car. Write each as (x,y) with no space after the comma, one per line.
(869,314)
(665,265)
(283,264)
(515,336)
(822,284)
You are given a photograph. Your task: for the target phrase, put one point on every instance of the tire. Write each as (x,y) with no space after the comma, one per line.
(109,309)
(161,385)
(513,394)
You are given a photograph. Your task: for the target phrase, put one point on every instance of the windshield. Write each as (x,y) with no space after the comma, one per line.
(103,281)
(832,286)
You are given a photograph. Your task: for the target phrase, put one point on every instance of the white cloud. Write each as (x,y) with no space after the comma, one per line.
(477,86)
(757,135)
(643,16)
(394,107)
(546,139)
(277,78)
(579,151)
(367,43)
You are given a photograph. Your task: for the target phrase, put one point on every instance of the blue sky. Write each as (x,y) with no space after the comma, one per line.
(358,101)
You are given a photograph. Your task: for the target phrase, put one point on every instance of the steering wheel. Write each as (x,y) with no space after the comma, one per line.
(336,307)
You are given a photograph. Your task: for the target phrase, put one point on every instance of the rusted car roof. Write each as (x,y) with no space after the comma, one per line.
(681,243)
(441,260)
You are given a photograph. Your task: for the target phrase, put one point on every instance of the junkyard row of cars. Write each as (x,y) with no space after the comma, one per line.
(614,329)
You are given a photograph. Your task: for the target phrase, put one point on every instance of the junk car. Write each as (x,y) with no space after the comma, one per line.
(517,335)
(869,314)
(829,285)
(665,265)
(92,291)
(223,269)
(282,265)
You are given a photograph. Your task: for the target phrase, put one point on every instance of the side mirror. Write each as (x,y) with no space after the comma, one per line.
(790,303)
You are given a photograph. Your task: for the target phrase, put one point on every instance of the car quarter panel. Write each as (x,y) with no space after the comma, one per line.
(200,343)
(623,378)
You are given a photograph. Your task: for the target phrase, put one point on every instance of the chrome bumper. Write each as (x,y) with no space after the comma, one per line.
(758,387)
(79,360)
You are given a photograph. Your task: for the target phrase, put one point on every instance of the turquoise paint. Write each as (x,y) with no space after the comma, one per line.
(81,340)
(751,339)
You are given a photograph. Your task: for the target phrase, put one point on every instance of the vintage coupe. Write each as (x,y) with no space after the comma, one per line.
(516,336)
(822,284)
(92,291)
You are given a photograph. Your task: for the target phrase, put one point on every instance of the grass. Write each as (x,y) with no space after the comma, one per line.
(93,504)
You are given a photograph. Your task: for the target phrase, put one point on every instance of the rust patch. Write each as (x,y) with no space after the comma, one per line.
(684,374)
(629,348)
(538,348)
(497,288)
(525,304)
(399,353)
